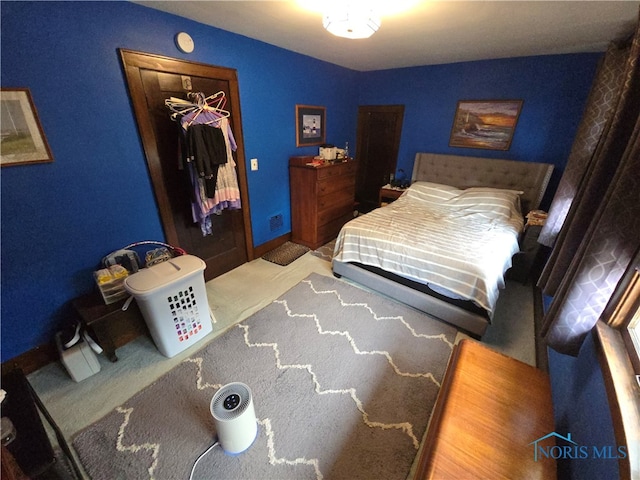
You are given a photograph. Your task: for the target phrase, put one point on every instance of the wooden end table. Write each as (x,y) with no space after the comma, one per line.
(110,326)
(388,194)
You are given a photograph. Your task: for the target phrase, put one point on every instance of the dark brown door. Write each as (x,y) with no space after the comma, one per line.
(378,141)
(151,80)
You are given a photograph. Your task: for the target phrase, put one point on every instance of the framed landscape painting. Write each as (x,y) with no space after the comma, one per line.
(22,139)
(310,125)
(485,124)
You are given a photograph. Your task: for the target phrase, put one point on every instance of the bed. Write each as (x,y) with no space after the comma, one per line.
(406,250)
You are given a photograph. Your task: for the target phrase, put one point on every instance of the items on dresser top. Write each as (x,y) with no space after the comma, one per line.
(322,199)
(331,152)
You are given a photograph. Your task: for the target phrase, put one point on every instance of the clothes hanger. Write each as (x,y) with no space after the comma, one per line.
(179,107)
(213,104)
(220,99)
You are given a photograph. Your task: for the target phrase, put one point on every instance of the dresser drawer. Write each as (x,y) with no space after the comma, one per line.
(336,199)
(334,184)
(330,230)
(326,216)
(337,169)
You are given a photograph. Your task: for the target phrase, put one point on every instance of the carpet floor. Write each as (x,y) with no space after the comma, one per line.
(343,381)
(325,252)
(234,297)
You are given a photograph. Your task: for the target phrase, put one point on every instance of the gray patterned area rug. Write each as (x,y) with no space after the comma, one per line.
(343,385)
(325,252)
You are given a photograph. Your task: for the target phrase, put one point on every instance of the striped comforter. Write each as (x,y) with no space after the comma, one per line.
(459,242)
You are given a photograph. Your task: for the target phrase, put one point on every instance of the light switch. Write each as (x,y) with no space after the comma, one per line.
(254,164)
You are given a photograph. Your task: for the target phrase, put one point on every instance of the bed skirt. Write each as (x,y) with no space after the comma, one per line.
(462,314)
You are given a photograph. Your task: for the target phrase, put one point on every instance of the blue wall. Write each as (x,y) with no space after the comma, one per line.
(59,219)
(581,408)
(553,89)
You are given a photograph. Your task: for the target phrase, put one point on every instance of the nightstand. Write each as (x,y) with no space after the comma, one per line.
(388,194)
(525,260)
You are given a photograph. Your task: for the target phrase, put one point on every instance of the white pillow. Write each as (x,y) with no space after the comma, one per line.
(432,192)
(490,201)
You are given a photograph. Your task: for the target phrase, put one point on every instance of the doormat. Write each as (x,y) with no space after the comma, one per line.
(285,253)
(343,381)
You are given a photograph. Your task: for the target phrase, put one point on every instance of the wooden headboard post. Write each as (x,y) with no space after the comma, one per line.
(464,172)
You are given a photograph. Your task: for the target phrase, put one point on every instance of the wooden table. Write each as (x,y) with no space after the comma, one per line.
(110,326)
(388,194)
(489,410)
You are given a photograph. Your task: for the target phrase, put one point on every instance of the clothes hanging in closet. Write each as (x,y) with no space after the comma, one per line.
(206,148)
(209,143)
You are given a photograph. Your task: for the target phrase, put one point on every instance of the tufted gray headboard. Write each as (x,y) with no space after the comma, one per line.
(464,172)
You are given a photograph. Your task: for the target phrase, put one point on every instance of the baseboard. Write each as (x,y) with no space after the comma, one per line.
(260,250)
(43,355)
(32,360)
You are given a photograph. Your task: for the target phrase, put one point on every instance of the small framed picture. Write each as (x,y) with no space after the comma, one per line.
(22,138)
(311,125)
(485,124)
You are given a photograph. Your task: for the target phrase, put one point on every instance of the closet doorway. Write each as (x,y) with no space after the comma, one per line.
(378,141)
(152,79)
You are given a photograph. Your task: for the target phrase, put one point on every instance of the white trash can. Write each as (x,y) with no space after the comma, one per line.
(173,300)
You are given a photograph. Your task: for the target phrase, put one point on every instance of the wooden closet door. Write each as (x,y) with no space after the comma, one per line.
(151,80)
(378,142)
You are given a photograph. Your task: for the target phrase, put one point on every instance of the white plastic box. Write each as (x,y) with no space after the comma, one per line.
(173,300)
(110,281)
(79,359)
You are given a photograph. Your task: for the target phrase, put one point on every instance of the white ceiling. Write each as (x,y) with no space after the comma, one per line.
(430,32)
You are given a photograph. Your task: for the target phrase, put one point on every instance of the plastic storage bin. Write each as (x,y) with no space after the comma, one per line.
(79,359)
(173,301)
(110,281)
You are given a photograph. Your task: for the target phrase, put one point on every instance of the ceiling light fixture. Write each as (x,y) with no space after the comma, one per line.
(351,20)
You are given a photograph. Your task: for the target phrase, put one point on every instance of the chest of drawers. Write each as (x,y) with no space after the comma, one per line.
(322,199)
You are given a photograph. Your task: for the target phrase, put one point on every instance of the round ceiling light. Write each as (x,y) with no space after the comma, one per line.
(351,20)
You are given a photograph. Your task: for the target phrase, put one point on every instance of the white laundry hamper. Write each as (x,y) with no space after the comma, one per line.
(173,300)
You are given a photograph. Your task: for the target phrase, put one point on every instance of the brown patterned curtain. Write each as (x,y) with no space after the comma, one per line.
(594,221)
(598,110)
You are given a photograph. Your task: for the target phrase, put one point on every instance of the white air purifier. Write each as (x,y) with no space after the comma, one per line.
(235,417)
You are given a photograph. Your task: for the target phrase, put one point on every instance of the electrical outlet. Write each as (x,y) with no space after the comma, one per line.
(254,164)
